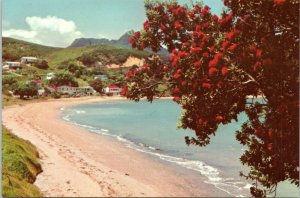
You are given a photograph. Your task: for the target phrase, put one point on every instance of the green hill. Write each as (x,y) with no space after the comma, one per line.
(14,49)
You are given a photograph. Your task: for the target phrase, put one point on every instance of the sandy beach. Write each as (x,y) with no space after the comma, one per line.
(77,163)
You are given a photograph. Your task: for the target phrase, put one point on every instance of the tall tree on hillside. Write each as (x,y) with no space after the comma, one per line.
(97,85)
(63,78)
(215,63)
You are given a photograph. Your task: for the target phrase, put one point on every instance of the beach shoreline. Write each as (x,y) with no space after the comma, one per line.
(76,162)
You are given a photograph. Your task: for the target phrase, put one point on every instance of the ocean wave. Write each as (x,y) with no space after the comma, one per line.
(229,185)
(80,112)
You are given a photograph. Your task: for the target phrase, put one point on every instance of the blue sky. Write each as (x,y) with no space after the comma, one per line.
(59,22)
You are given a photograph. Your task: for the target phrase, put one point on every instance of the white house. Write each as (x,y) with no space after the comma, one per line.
(12,65)
(29,59)
(112,90)
(49,76)
(102,77)
(86,90)
(67,89)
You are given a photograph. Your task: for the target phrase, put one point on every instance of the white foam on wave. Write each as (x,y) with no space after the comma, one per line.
(228,185)
(80,112)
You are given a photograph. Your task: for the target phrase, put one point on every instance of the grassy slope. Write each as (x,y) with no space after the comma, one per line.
(14,49)
(20,165)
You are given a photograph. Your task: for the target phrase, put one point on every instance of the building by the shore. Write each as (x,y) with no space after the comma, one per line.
(112,90)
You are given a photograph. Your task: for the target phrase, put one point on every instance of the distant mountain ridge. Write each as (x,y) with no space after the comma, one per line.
(121,42)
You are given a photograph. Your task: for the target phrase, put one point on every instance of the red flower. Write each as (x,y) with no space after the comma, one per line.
(198,28)
(131,40)
(186,44)
(128,75)
(176,98)
(124,90)
(212,71)
(145,66)
(135,71)
(279,2)
(197,64)
(219,55)
(267,62)
(224,45)
(196,49)
(177,24)
(165,68)
(176,75)
(229,35)
(258,53)
(146,25)
(176,90)
(206,85)
(205,54)
(224,71)
(252,48)
(270,133)
(215,17)
(219,118)
(212,49)
(163,27)
(213,62)
(256,66)
(270,145)
(232,47)
(183,83)
(137,34)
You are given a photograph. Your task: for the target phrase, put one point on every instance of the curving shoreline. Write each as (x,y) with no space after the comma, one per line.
(79,163)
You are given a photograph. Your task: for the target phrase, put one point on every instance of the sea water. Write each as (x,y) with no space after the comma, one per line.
(151,128)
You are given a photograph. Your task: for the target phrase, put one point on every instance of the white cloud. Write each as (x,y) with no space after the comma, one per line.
(51,30)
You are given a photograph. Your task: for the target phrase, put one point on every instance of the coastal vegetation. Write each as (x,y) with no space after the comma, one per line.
(216,62)
(20,166)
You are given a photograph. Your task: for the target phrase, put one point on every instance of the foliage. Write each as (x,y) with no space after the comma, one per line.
(97,85)
(109,54)
(41,64)
(63,78)
(216,63)
(20,166)
(55,95)
(14,49)
(28,89)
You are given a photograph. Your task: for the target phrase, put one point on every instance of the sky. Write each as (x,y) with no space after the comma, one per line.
(58,22)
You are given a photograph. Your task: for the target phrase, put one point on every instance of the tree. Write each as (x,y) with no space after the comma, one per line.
(216,62)
(42,64)
(97,85)
(26,89)
(63,78)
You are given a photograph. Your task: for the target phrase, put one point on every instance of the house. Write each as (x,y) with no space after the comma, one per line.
(86,90)
(41,92)
(113,90)
(12,65)
(65,89)
(49,76)
(102,77)
(29,60)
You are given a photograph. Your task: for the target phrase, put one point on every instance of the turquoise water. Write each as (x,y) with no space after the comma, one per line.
(151,129)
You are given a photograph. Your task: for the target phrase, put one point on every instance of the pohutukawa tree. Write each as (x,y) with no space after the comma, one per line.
(215,63)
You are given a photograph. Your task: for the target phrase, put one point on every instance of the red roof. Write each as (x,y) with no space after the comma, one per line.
(54,87)
(114,87)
